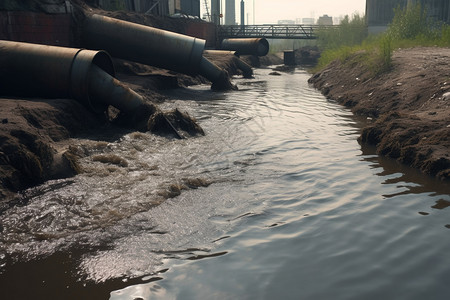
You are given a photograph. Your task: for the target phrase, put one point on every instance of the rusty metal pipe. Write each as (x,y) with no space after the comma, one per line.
(220,52)
(56,72)
(33,70)
(151,46)
(247,46)
(246,69)
(111,91)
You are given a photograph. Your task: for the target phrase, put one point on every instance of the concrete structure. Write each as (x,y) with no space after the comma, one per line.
(190,7)
(230,12)
(215,11)
(437,9)
(155,7)
(184,7)
(380,13)
(50,23)
(307,21)
(242,13)
(325,20)
(286,22)
(289,58)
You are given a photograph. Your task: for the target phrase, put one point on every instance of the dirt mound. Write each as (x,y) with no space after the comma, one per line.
(30,135)
(409,105)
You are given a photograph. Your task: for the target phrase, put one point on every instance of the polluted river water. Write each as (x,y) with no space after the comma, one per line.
(277,201)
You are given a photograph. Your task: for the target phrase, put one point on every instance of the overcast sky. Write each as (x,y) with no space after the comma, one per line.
(270,11)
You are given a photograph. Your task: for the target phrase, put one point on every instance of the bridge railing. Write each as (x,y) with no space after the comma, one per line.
(271,31)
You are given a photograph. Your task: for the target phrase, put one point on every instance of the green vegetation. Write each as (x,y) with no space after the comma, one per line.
(281,45)
(349,33)
(410,27)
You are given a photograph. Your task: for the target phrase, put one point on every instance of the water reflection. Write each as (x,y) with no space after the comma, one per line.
(405,177)
(278,200)
(331,228)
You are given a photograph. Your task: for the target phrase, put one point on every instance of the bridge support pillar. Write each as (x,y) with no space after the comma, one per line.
(289,58)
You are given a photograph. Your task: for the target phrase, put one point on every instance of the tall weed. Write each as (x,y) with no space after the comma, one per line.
(350,32)
(410,27)
(409,23)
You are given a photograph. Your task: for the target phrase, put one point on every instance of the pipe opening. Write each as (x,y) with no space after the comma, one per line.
(247,46)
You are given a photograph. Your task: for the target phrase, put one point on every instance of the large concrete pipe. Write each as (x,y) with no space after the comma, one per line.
(247,46)
(246,69)
(48,71)
(151,46)
(33,70)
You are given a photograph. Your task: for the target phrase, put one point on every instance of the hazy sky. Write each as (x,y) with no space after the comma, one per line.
(270,11)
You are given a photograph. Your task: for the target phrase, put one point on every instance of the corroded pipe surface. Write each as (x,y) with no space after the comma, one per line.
(246,69)
(250,46)
(111,91)
(151,46)
(143,44)
(56,72)
(33,70)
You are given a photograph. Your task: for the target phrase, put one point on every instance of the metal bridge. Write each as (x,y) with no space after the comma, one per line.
(300,32)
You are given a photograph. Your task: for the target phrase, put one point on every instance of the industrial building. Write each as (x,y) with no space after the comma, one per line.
(156,7)
(230,12)
(50,22)
(380,13)
(325,20)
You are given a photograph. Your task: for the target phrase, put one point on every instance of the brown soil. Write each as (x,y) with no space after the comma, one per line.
(408,107)
(32,134)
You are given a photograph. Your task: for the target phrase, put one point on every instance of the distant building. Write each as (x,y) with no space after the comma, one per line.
(325,20)
(184,7)
(190,7)
(215,12)
(286,22)
(308,21)
(379,13)
(143,6)
(230,12)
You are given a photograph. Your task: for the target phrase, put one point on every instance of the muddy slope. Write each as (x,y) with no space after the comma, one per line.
(408,106)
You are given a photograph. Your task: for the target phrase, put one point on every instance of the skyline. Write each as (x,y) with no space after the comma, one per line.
(270,11)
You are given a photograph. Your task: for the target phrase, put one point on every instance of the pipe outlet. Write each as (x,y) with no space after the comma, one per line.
(247,46)
(33,70)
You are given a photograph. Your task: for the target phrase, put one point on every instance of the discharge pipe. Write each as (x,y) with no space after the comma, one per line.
(87,76)
(152,46)
(246,69)
(33,70)
(247,46)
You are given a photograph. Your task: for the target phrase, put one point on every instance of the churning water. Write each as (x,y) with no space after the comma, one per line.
(277,201)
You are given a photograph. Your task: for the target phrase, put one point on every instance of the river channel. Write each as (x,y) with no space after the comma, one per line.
(277,201)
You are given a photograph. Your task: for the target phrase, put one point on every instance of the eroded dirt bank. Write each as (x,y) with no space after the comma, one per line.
(408,107)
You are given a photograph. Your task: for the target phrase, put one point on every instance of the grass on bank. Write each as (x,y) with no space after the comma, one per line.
(410,27)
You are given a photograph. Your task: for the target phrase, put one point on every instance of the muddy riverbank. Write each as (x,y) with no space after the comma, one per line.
(408,107)
(35,133)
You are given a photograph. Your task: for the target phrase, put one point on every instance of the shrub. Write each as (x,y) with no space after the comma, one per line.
(349,33)
(410,27)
